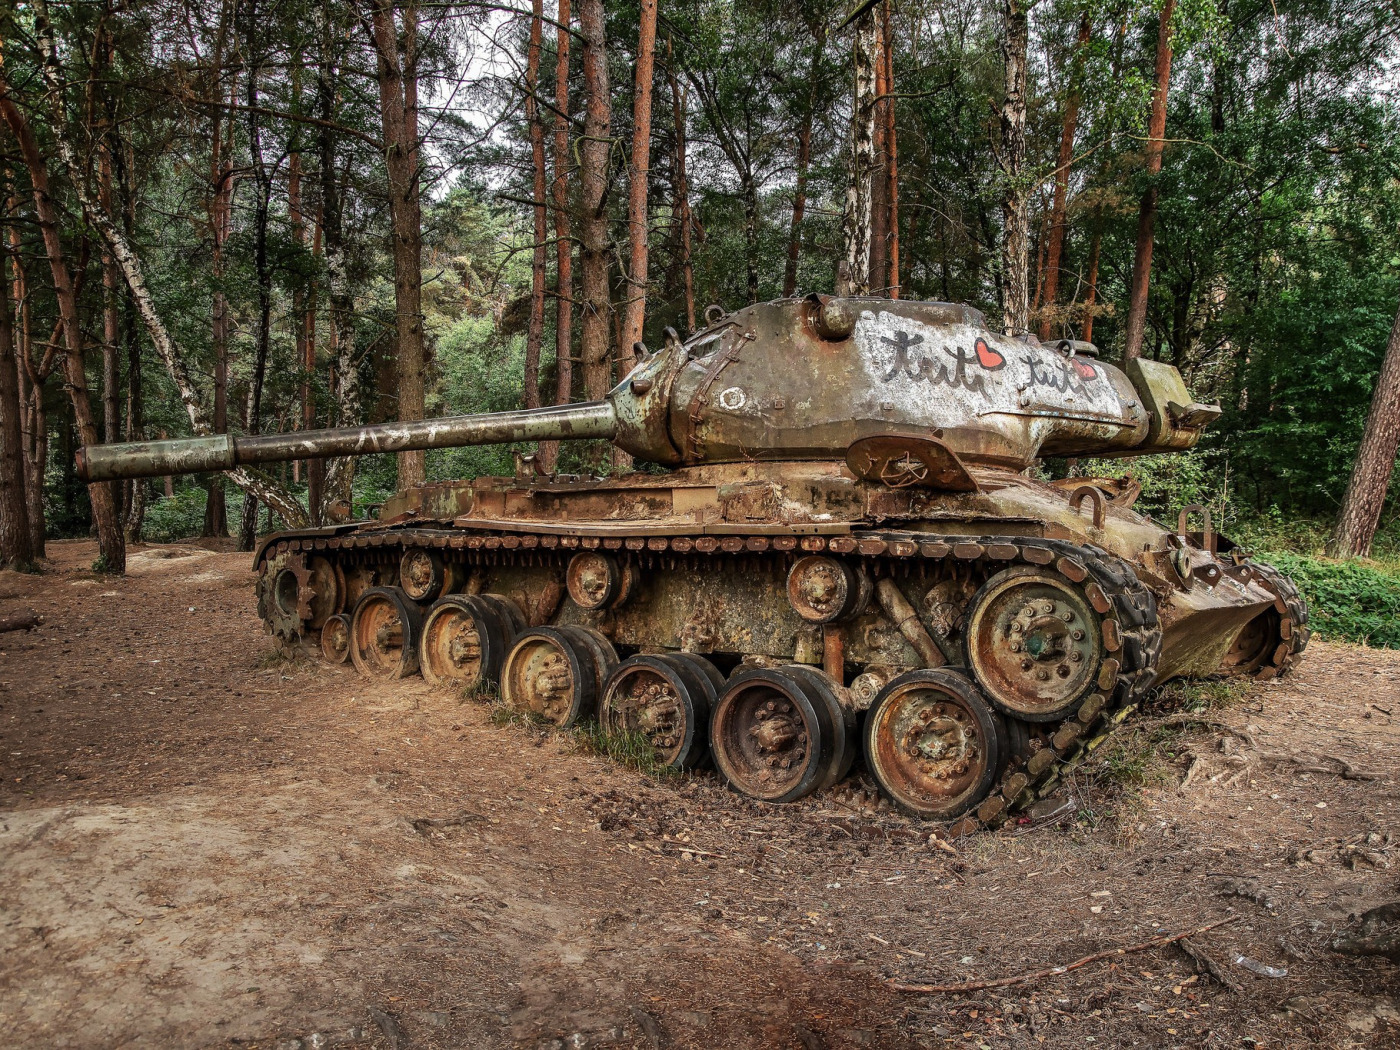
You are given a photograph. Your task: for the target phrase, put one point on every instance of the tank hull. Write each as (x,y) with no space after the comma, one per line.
(710,551)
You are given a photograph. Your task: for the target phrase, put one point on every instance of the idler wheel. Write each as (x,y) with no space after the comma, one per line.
(770,736)
(551,674)
(1035,644)
(335,639)
(933,743)
(665,700)
(1254,646)
(465,641)
(822,590)
(423,575)
(384,632)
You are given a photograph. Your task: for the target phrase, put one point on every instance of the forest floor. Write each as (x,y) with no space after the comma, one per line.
(205,844)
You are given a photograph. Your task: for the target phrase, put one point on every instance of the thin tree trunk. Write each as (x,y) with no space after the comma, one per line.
(799,197)
(222,181)
(1015,238)
(563,237)
(262,268)
(679,106)
(1375,461)
(1059,199)
(111,543)
(1147,211)
(534,339)
(397,54)
(1087,334)
(33,427)
(593,186)
(891,160)
(856,234)
(879,175)
(340,472)
(16,546)
(638,175)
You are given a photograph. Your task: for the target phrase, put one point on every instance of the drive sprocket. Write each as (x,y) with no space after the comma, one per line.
(285,595)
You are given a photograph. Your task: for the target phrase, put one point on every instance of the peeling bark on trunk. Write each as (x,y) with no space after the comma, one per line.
(1015,238)
(855,280)
(32,426)
(593,220)
(221,181)
(397,55)
(1055,248)
(1375,461)
(1147,212)
(638,174)
(534,339)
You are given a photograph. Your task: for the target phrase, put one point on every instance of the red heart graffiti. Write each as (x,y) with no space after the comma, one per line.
(1085,370)
(987,356)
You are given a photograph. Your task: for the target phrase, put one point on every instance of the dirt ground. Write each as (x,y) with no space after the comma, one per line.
(203,844)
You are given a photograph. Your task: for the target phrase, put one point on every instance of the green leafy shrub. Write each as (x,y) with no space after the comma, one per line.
(1351,600)
(178,517)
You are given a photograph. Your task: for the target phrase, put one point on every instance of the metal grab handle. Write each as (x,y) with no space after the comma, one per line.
(1207,534)
(1076,499)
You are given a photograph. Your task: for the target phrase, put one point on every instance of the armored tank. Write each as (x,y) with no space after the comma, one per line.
(849,557)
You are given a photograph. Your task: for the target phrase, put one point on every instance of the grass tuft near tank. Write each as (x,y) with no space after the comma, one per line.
(847,561)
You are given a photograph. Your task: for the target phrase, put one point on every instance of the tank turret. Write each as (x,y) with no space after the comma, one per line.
(791,380)
(847,560)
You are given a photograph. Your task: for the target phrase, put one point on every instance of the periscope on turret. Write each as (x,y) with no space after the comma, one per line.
(847,560)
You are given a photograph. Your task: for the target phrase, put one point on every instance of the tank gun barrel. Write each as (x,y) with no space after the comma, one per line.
(145,459)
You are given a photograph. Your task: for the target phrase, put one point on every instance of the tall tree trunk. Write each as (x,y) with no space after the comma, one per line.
(16,547)
(1375,461)
(135,426)
(563,236)
(679,107)
(220,210)
(33,427)
(856,234)
(1015,237)
(262,268)
(879,175)
(1055,248)
(891,159)
(799,190)
(1087,332)
(593,187)
(340,472)
(1147,211)
(397,54)
(534,339)
(638,175)
(110,541)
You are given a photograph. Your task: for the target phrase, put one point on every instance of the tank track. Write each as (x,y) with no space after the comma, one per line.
(1293,621)
(1132,635)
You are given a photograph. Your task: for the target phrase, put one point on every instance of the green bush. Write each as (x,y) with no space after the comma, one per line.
(1351,600)
(177,517)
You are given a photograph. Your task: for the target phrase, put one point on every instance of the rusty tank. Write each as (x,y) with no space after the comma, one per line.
(849,558)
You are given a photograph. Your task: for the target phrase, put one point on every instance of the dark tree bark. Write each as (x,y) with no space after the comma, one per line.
(1059,199)
(534,338)
(16,548)
(563,236)
(1375,461)
(1147,212)
(396,49)
(593,186)
(220,210)
(1092,281)
(1015,237)
(262,268)
(799,190)
(33,427)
